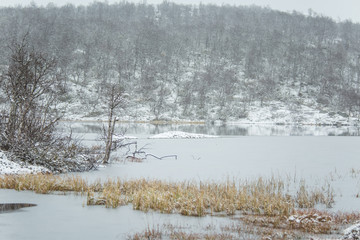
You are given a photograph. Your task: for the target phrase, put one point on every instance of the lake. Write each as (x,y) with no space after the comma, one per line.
(321,156)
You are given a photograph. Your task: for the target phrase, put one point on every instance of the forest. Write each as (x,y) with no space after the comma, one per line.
(192,61)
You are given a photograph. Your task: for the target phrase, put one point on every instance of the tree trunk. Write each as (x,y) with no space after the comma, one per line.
(109,137)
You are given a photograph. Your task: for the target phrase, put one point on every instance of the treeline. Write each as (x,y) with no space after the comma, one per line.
(196,61)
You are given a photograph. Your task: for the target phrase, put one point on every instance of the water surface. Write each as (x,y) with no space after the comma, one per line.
(241,152)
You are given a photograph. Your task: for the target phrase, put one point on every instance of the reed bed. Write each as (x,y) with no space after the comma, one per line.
(304,224)
(230,231)
(264,197)
(263,204)
(44,183)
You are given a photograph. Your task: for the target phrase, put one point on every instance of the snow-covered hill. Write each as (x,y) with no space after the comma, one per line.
(199,63)
(83,103)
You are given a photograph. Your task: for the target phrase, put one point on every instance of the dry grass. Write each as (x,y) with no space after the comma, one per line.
(134,159)
(172,232)
(153,234)
(44,183)
(262,203)
(309,198)
(230,231)
(148,234)
(265,197)
(178,235)
(308,220)
(198,199)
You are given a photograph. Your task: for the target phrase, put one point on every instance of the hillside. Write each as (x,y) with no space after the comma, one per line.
(204,62)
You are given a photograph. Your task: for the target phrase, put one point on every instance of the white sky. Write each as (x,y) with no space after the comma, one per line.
(337,9)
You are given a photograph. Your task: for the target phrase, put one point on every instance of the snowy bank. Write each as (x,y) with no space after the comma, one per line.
(277,112)
(352,232)
(179,134)
(9,167)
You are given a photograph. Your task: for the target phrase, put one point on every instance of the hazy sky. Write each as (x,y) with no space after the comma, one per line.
(337,9)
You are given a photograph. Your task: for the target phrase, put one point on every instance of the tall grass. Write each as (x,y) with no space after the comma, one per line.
(44,183)
(265,197)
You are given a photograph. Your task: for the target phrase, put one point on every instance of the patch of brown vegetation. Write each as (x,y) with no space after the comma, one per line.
(261,203)
(259,197)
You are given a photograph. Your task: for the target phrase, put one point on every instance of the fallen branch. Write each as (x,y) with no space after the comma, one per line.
(161,158)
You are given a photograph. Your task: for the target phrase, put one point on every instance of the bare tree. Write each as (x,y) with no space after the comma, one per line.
(29,84)
(28,131)
(115,99)
(349,101)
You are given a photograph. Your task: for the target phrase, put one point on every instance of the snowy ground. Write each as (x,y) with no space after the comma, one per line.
(352,232)
(279,113)
(271,113)
(9,167)
(82,103)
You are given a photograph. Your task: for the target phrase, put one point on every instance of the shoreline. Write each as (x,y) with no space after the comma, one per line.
(216,122)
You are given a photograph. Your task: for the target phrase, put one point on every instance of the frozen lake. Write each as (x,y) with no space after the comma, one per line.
(240,157)
(241,152)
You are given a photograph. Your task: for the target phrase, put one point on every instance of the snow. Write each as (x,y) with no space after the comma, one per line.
(9,167)
(179,134)
(352,232)
(276,112)
(308,218)
(82,102)
(123,137)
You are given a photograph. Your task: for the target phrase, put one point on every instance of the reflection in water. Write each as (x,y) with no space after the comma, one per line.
(63,217)
(221,130)
(312,158)
(6,207)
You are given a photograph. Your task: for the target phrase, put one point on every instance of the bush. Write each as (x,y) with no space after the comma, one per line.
(28,129)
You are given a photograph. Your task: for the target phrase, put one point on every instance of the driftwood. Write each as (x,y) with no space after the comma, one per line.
(161,158)
(136,154)
(138,159)
(132,152)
